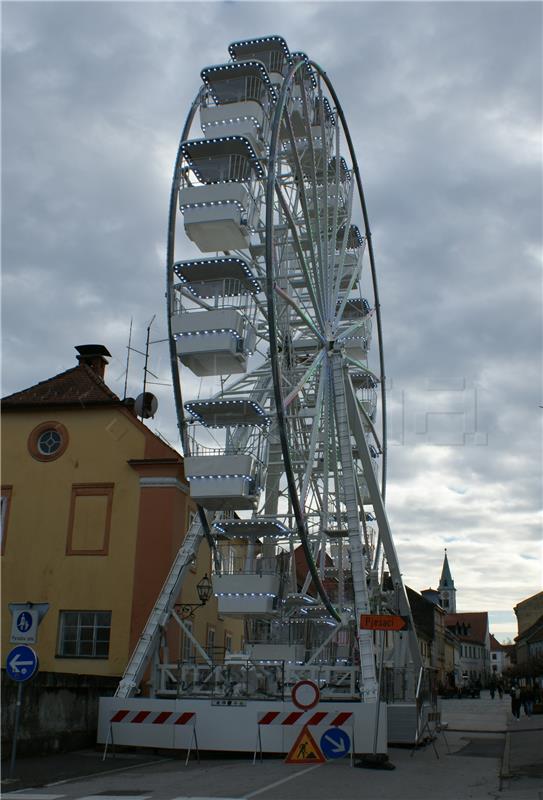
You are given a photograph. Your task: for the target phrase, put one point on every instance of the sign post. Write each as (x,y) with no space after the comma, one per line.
(21,665)
(381,622)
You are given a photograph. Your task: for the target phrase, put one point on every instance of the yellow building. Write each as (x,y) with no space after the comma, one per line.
(94,507)
(528,611)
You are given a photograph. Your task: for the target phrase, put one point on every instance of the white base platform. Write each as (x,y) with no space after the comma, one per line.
(232,728)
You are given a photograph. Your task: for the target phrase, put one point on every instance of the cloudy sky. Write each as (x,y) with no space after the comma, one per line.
(444,105)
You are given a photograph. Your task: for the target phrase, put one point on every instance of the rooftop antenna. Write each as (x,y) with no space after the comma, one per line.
(146,404)
(145,370)
(127,359)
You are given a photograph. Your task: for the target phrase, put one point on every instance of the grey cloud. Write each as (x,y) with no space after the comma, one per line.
(444,104)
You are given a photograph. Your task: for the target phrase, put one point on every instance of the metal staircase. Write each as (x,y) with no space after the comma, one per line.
(160,614)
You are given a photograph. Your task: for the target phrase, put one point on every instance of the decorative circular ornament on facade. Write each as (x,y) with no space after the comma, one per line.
(48,441)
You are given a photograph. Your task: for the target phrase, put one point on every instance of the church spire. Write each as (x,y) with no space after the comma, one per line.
(447,592)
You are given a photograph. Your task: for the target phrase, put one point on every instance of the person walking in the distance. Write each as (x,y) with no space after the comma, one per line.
(515,701)
(527,700)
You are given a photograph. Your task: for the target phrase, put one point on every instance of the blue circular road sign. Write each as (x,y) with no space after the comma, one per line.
(21,663)
(335,743)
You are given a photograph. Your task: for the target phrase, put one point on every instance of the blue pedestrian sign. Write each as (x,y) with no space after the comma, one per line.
(25,621)
(21,663)
(335,743)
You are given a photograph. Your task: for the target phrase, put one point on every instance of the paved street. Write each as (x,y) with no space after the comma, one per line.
(484,754)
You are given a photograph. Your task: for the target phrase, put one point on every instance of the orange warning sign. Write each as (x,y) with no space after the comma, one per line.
(305,750)
(382,622)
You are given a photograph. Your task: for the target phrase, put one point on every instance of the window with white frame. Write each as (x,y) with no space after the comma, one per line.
(228,642)
(84,634)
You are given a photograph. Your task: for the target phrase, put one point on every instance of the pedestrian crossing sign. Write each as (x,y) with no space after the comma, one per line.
(305,750)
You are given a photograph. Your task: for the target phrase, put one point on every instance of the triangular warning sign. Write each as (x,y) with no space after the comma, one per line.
(305,750)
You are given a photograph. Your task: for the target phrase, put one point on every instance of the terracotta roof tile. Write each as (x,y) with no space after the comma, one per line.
(476,622)
(77,386)
(495,644)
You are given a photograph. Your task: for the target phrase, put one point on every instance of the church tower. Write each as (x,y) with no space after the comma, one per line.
(447,592)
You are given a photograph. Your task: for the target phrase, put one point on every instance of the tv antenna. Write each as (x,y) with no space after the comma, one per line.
(146,403)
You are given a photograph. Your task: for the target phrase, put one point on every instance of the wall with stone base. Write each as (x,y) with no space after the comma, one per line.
(59,712)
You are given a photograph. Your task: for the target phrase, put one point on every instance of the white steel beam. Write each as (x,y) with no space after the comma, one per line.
(358,559)
(385,534)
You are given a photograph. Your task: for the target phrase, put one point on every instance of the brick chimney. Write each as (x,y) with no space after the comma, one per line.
(94,356)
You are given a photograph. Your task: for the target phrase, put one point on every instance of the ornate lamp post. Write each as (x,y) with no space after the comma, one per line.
(205,590)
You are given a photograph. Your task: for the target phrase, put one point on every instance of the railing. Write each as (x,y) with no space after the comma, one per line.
(403,686)
(252,447)
(240,88)
(226,167)
(273,60)
(215,295)
(247,680)
(234,562)
(368,396)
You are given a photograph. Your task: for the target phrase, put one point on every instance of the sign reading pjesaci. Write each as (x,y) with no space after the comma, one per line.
(382,622)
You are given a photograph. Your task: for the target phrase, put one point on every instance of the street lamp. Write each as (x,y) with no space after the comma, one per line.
(205,590)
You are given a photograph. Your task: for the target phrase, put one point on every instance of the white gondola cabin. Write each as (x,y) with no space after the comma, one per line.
(228,476)
(229,481)
(250,577)
(223,207)
(272,51)
(213,314)
(239,102)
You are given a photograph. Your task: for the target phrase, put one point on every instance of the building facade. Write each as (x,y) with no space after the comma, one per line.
(529,641)
(499,658)
(94,508)
(528,611)
(472,632)
(429,619)
(529,648)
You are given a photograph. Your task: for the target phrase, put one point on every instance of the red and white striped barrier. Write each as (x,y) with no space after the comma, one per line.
(316,718)
(280,717)
(125,715)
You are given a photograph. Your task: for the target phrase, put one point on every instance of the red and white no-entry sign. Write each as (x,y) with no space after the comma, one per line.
(305,694)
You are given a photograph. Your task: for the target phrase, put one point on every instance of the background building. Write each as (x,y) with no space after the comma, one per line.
(471,630)
(429,619)
(529,642)
(499,657)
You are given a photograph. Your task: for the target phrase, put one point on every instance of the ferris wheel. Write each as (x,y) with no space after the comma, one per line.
(277,360)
